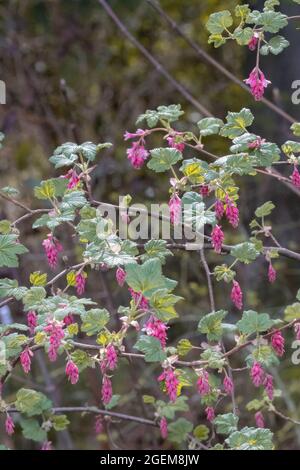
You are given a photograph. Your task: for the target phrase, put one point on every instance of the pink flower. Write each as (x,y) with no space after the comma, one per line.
(9,425)
(68,319)
(228,385)
(106,390)
(52,248)
(175,209)
(257,374)
(277,341)
(296,177)
(272,274)
(72,372)
(252,44)
(204,190)
(232,213)
(171,383)
(219,209)
(203,383)
(80,280)
(259,419)
(210,413)
(111,357)
(73,179)
(269,387)
(32,320)
(157,329)
(257,83)
(120,276)
(138,133)
(47,445)
(237,295)
(56,332)
(25,358)
(217,238)
(173,143)
(139,299)
(99,424)
(163,426)
(297,330)
(137,154)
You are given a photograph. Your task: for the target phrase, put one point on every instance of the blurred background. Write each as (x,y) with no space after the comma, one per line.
(71,75)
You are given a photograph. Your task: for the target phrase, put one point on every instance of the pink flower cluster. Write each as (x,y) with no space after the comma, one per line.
(219,209)
(47,445)
(297,330)
(25,359)
(257,83)
(203,385)
(277,341)
(156,328)
(259,377)
(259,420)
(210,413)
(217,238)
(171,383)
(175,143)
(139,299)
(232,212)
(163,426)
(296,177)
(106,391)
(253,42)
(72,372)
(120,276)
(9,425)
(228,385)
(204,190)
(111,358)
(73,178)
(68,319)
(99,424)
(31,321)
(52,248)
(80,280)
(175,209)
(57,334)
(237,295)
(272,274)
(137,153)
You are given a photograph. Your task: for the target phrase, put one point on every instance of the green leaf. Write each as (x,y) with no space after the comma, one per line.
(38,279)
(165,113)
(226,424)
(10,191)
(237,123)
(168,410)
(211,325)
(10,288)
(219,21)
(239,164)
(94,321)
(156,249)
(265,210)
(33,298)
(243,35)
(245,252)
(151,347)
(147,278)
(163,303)
(253,322)
(201,432)
(251,439)
(82,359)
(46,190)
(178,430)
(73,200)
(276,45)
(291,147)
(184,346)
(31,429)
(163,158)
(273,21)
(31,402)
(5,227)
(210,126)
(59,422)
(214,358)
(242,11)
(292,312)
(295,128)
(224,273)
(113,402)
(9,249)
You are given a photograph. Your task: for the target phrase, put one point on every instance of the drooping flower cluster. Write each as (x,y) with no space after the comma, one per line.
(163,426)
(80,279)
(158,329)
(72,372)
(297,330)
(171,383)
(237,295)
(204,190)
(25,359)
(257,83)
(56,332)
(175,142)
(120,276)
(99,424)
(9,425)
(259,419)
(277,341)
(68,319)
(217,238)
(111,358)
(31,321)
(257,374)
(175,209)
(232,213)
(52,248)
(137,153)
(296,177)
(73,179)
(219,209)
(269,387)
(253,42)
(228,385)
(272,274)
(106,391)
(210,413)
(203,385)
(139,299)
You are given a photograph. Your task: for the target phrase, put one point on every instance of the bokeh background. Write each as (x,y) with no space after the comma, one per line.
(71,74)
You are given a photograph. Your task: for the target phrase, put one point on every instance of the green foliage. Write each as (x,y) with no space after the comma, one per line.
(253,322)
(9,249)
(151,347)
(31,402)
(211,325)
